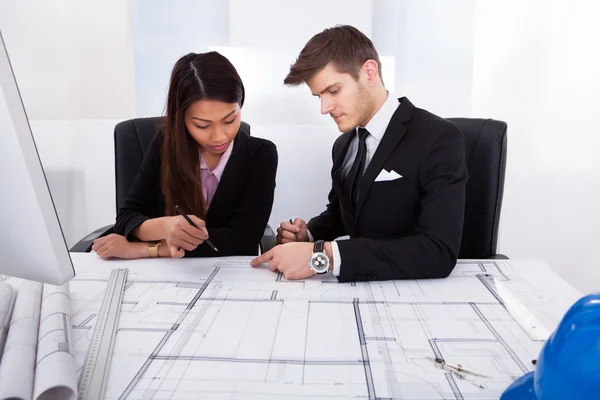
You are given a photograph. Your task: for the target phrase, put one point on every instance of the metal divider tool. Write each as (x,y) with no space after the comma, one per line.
(94,375)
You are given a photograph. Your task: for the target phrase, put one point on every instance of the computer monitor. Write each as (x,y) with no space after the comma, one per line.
(32,244)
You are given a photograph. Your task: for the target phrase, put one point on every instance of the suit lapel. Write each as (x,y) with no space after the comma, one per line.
(233,174)
(391,138)
(345,145)
(338,163)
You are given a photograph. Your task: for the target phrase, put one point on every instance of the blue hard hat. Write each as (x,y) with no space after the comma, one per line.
(569,364)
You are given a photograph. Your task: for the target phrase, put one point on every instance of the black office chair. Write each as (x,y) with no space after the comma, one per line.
(132,140)
(485,148)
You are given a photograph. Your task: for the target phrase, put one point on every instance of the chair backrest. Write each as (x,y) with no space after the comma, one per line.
(132,140)
(485,150)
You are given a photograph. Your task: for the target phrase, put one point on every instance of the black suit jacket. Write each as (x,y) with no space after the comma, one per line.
(240,208)
(408,228)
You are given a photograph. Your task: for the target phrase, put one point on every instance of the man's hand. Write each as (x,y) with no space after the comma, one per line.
(288,232)
(291,259)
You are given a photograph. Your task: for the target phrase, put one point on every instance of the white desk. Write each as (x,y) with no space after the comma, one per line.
(216,328)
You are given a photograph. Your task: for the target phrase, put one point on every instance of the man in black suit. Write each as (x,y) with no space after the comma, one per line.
(399,175)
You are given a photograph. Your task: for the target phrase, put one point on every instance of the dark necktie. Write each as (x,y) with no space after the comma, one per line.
(358,168)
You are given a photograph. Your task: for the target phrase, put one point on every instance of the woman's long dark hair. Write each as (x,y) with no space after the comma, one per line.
(206,76)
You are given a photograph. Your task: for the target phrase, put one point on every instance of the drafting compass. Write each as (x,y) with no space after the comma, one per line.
(458,371)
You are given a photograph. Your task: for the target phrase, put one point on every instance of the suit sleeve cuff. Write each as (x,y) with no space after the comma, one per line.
(310,236)
(337,258)
(132,224)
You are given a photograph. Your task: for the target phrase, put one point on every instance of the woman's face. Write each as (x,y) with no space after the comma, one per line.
(213,124)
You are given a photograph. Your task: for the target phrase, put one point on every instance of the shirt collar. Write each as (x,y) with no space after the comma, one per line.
(218,171)
(380,121)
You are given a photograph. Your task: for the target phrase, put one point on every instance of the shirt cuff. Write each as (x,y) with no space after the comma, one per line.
(310,236)
(337,259)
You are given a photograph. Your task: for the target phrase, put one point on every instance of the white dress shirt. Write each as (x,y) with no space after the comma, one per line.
(376,127)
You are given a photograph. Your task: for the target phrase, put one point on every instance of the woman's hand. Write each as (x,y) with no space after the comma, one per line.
(180,235)
(117,246)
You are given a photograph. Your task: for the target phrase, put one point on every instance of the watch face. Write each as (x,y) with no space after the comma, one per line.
(319,262)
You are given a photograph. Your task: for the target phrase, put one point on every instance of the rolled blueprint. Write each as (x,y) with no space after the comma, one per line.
(18,360)
(7,303)
(55,371)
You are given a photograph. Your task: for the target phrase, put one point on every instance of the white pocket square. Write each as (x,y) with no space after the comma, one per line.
(387,176)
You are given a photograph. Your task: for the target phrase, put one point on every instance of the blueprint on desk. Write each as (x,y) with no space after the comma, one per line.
(231,331)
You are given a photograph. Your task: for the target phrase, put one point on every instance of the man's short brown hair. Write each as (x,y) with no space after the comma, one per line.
(344,46)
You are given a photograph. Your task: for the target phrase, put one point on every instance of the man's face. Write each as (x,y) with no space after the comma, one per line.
(346,100)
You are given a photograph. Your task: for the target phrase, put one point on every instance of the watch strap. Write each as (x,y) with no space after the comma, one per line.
(319,246)
(153,249)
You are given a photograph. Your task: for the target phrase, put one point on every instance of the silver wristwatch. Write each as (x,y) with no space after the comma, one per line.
(319,262)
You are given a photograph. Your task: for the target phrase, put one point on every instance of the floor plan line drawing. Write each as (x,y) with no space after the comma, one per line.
(233,331)
(364,351)
(390,374)
(271,358)
(169,333)
(305,343)
(300,361)
(454,386)
(499,339)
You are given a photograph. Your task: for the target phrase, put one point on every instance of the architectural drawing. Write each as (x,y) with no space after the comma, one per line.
(7,302)
(18,361)
(227,330)
(38,361)
(55,370)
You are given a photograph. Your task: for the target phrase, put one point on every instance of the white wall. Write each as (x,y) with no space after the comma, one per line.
(536,66)
(162,32)
(80,173)
(72,59)
(431,42)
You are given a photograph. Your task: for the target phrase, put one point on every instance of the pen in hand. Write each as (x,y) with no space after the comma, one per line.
(295,233)
(184,215)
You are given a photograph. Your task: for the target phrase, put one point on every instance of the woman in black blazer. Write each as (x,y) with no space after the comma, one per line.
(201,161)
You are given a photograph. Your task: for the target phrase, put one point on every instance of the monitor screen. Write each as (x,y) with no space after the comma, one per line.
(32,244)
